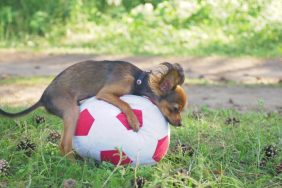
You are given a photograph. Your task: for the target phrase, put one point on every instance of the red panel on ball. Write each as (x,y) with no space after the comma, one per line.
(161,148)
(84,123)
(123,119)
(113,156)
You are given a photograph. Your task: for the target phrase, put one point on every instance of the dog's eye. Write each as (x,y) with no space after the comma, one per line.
(175,110)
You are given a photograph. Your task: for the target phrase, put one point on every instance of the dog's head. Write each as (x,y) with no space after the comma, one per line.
(172,104)
(165,83)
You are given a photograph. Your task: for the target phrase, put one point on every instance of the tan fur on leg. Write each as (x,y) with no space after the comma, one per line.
(111,94)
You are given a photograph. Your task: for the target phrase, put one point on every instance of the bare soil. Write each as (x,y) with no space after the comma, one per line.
(263,74)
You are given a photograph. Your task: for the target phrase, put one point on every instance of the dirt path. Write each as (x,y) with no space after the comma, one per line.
(242,70)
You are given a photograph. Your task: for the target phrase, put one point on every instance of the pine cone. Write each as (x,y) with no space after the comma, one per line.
(27,146)
(181,171)
(232,121)
(180,174)
(4,167)
(197,115)
(279,168)
(39,119)
(263,162)
(270,151)
(140,182)
(54,137)
(70,183)
(183,148)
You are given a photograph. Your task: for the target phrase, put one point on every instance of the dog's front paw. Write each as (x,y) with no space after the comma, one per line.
(134,123)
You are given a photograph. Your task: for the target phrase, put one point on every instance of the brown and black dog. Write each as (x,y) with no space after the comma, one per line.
(108,80)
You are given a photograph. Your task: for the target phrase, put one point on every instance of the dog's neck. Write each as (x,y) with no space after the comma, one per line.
(143,87)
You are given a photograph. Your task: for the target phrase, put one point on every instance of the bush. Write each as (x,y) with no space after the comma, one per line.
(146,27)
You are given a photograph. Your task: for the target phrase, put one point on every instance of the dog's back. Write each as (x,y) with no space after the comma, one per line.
(85,79)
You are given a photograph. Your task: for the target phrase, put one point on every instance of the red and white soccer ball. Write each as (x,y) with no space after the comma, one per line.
(104,134)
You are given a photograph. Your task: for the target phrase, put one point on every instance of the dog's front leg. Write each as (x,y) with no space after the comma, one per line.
(123,106)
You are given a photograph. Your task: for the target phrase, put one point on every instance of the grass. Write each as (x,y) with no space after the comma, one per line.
(174,27)
(45,80)
(225,155)
(142,41)
(26,81)
(224,83)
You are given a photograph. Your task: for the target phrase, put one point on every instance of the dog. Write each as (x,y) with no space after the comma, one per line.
(108,80)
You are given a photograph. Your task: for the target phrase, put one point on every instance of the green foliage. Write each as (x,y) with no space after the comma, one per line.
(225,154)
(25,81)
(175,27)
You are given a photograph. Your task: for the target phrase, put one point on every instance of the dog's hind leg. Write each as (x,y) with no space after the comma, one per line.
(70,118)
(67,108)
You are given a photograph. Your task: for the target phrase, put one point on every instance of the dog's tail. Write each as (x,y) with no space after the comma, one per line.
(24,112)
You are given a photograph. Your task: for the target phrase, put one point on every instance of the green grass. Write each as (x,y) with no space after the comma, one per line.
(224,83)
(26,81)
(45,80)
(224,155)
(144,27)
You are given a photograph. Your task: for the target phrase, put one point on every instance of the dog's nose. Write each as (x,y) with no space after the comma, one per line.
(178,123)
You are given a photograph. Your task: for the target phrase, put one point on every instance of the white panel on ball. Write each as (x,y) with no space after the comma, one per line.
(103,132)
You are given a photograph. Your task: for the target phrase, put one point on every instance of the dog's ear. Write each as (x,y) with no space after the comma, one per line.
(174,76)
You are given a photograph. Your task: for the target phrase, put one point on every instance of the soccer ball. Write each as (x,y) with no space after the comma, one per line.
(103,132)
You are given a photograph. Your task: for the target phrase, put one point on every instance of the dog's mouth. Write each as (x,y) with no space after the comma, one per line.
(178,124)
